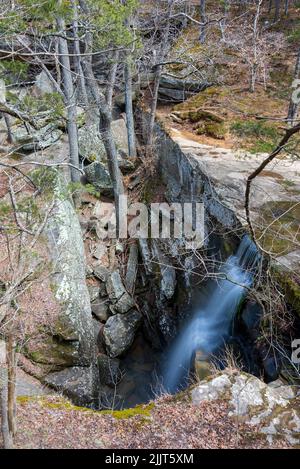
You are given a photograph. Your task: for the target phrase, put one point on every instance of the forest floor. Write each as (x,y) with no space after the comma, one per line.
(167,423)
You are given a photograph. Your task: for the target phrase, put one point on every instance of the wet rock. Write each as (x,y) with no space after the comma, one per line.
(109,370)
(119,332)
(77,383)
(97,174)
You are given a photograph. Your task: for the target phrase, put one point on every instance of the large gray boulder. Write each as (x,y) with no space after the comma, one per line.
(43,85)
(97,174)
(91,146)
(77,383)
(73,326)
(119,332)
(274,407)
(177,83)
(30,139)
(122,301)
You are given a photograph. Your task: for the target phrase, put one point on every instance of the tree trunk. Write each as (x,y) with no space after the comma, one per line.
(293,106)
(77,59)
(129,109)
(11,388)
(277,11)
(203,21)
(70,100)
(10,138)
(6,435)
(104,109)
(286,7)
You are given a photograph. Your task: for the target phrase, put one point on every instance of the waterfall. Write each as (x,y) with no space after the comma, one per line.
(210,325)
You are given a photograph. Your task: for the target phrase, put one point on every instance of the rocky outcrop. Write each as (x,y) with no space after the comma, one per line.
(97,174)
(77,383)
(119,332)
(274,408)
(74,324)
(177,90)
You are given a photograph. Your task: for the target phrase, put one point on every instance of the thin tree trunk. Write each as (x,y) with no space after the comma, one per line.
(69,100)
(154,99)
(286,7)
(6,435)
(10,138)
(77,58)
(277,11)
(293,106)
(129,109)
(104,108)
(203,21)
(11,388)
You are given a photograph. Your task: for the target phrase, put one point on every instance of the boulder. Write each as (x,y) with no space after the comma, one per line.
(183,84)
(74,321)
(43,85)
(100,310)
(33,140)
(171,95)
(109,370)
(114,286)
(119,332)
(97,174)
(93,292)
(275,409)
(101,273)
(90,144)
(122,301)
(77,383)
(119,132)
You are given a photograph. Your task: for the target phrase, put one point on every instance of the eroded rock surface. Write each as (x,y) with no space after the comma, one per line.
(275,408)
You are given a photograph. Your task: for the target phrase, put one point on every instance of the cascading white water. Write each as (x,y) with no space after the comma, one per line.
(210,325)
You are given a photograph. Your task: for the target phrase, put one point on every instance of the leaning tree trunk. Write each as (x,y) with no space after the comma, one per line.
(70,100)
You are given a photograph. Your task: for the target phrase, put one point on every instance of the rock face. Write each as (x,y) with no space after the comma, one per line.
(77,383)
(119,332)
(177,90)
(73,329)
(37,139)
(91,147)
(274,407)
(109,370)
(43,85)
